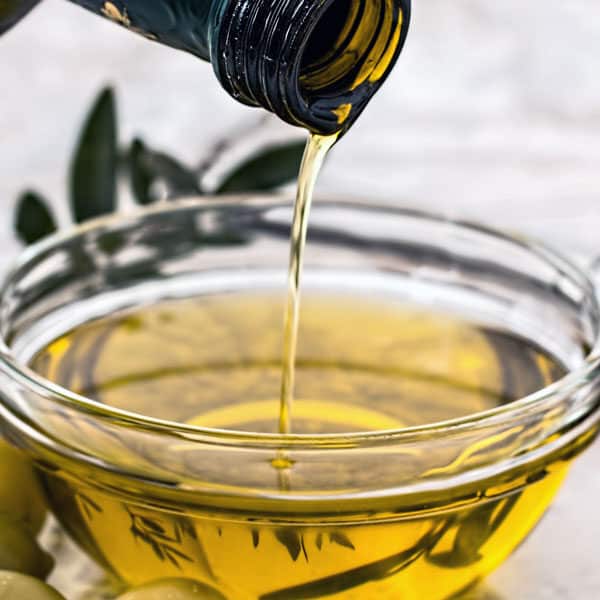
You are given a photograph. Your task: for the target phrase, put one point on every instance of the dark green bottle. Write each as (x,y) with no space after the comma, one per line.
(314,63)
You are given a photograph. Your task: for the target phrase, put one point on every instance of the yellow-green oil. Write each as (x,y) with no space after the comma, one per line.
(362,364)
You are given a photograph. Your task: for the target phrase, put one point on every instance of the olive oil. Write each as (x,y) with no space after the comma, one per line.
(316,152)
(362,365)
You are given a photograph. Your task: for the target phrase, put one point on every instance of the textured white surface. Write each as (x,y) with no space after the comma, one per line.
(493,113)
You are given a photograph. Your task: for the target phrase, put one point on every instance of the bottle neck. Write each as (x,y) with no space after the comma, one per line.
(314,63)
(181,24)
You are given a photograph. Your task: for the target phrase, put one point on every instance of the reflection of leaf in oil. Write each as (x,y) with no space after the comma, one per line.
(140,535)
(88,361)
(374,571)
(88,505)
(303,548)
(255,537)
(473,532)
(291,540)
(172,554)
(319,541)
(152,533)
(186,528)
(153,525)
(341,539)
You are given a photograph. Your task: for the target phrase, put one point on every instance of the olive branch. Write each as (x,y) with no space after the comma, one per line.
(99,170)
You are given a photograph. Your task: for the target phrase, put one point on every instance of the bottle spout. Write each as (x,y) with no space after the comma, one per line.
(314,64)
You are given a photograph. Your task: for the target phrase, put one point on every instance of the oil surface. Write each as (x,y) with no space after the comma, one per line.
(362,365)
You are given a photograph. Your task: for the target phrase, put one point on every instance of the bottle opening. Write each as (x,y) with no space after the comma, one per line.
(346,46)
(328,33)
(315,64)
(351,48)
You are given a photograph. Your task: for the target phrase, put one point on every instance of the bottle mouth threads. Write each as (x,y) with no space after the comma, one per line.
(314,63)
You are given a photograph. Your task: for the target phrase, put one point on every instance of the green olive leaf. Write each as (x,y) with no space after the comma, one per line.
(149,167)
(93,172)
(112,242)
(141,176)
(267,170)
(33,220)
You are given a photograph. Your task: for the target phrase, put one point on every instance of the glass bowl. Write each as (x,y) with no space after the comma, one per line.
(421,511)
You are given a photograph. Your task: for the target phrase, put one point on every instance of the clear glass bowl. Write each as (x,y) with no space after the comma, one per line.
(419,512)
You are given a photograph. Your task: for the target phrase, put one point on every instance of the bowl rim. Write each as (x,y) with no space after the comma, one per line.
(32,381)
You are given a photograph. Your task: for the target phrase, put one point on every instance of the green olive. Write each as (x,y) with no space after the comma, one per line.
(15,586)
(20,495)
(173,589)
(19,550)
